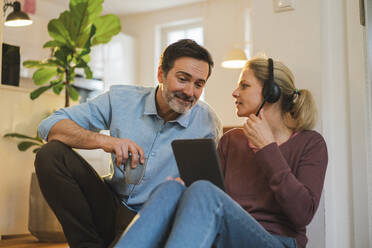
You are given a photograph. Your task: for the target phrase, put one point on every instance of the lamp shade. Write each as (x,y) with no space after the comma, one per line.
(17,18)
(235,59)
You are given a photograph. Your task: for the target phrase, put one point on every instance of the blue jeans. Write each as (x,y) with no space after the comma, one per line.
(199,216)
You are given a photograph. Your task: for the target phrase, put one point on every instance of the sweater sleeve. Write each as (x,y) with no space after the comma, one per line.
(222,150)
(298,195)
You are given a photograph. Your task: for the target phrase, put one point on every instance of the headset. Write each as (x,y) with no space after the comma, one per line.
(271,91)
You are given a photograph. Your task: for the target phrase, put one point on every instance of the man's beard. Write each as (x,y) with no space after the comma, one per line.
(171,98)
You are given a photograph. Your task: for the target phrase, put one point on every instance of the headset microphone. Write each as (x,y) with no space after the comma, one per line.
(259,109)
(271,91)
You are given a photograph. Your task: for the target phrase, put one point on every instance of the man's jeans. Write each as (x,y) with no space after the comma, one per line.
(199,216)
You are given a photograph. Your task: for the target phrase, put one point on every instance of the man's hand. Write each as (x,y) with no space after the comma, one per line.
(258,130)
(70,133)
(122,148)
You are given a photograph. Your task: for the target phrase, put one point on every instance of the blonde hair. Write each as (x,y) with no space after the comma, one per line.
(297,106)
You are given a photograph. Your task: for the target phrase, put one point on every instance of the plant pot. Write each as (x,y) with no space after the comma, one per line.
(42,222)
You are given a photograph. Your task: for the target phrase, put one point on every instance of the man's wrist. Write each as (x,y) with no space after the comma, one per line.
(102,141)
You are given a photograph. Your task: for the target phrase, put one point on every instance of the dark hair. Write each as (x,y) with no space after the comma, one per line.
(184,48)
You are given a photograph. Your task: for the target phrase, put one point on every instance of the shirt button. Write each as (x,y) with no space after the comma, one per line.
(153,154)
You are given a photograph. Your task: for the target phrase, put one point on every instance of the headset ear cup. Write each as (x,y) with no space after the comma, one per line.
(271,92)
(274,93)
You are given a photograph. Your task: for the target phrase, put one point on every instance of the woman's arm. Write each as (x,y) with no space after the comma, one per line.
(298,195)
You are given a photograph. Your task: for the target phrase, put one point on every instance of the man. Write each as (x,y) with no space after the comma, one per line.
(142,122)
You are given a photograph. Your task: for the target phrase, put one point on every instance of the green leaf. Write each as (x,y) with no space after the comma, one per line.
(88,72)
(23,146)
(53,43)
(71,75)
(20,136)
(72,92)
(36,150)
(58,88)
(82,61)
(31,63)
(89,41)
(43,75)
(85,58)
(84,13)
(67,20)
(107,26)
(40,64)
(36,93)
(58,31)
(55,62)
(63,54)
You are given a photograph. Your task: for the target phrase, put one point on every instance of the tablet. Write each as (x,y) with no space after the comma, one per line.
(197,159)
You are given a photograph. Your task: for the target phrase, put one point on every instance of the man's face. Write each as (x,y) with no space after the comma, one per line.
(184,83)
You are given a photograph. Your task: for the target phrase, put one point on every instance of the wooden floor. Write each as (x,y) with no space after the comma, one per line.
(28,241)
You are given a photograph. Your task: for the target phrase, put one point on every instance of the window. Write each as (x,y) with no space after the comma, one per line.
(174,33)
(247,34)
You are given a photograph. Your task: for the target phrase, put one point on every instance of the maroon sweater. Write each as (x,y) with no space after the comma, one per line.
(280,186)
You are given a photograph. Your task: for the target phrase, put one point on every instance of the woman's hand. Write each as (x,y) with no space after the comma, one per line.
(177,179)
(258,131)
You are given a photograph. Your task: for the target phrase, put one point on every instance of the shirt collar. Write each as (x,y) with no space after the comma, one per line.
(150,104)
(150,109)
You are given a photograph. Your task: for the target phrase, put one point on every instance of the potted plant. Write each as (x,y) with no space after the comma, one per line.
(73,34)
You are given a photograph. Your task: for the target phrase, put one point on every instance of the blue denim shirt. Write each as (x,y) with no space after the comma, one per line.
(130,112)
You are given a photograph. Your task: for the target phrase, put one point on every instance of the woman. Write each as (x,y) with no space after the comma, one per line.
(274,169)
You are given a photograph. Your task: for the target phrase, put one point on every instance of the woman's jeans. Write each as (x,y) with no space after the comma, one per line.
(199,216)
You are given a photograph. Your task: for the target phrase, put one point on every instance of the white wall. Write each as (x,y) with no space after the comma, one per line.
(359,85)
(345,121)
(18,114)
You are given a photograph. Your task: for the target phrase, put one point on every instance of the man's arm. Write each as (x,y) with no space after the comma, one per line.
(71,134)
(75,126)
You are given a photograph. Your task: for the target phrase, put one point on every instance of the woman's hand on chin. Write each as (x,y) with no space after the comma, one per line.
(258,131)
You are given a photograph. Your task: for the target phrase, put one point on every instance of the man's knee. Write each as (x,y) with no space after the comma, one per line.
(49,152)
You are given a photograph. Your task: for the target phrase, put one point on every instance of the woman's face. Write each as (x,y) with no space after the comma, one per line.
(248,94)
